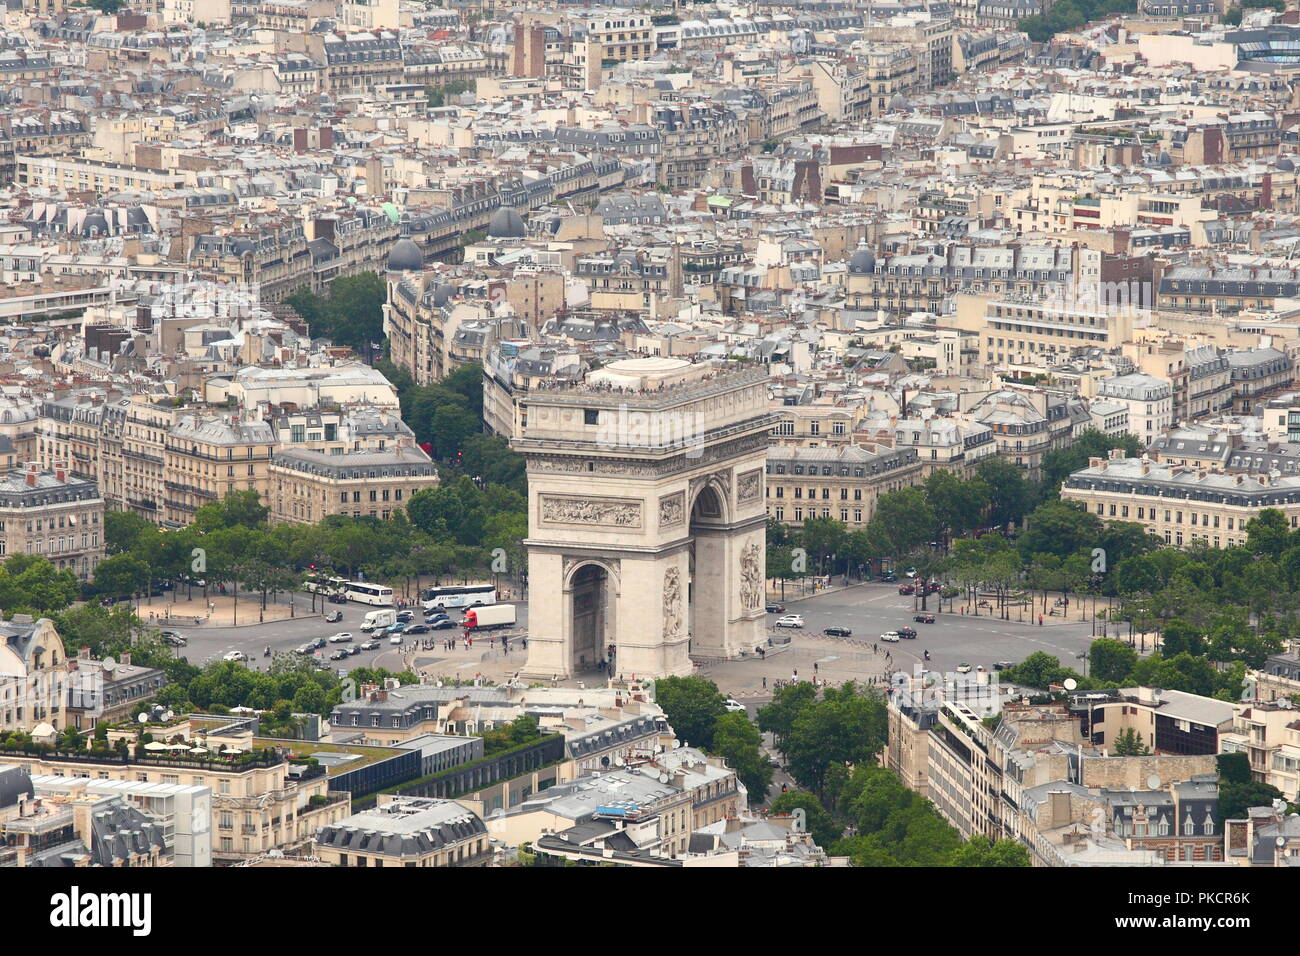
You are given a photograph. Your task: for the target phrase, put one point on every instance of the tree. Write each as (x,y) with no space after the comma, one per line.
(847,726)
(238,509)
(122,575)
(1129,744)
(1010,497)
(958,505)
(1237,798)
(903,520)
(1233,768)
(737,741)
(1268,533)
(1061,528)
(979,850)
(1111,660)
(825,831)
(692,706)
(32,583)
(788,704)
(125,531)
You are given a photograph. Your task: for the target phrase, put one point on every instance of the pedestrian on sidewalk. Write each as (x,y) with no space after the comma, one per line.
(1040,620)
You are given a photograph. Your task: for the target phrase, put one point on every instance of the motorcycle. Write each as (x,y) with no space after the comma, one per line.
(267,652)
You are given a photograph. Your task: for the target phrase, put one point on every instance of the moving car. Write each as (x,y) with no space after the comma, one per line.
(338,599)
(370,646)
(342,637)
(305,649)
(836,631)
(417,629)
(340,655)
(934,587)
(790,620)
(910,572)
(406,616)
(235,656)
(963,668)
(776,609)
(435,617)
(888,576)
(924,618)
(172,639)
(733,706)
(398,628)
(333,617)
(1003,665)
(352,650)
(317,643)
(907,633)
(890,637)
(906,589)
(395,639)
(442,625)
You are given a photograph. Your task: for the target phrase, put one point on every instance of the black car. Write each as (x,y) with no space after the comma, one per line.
(339,655)
(417,629)
(370,646)
(338,599)
(889,576)
(352,650)
(406,616)
(776,609)
(837,631)
(1003,665)
(442,625)
(924,618)
(907,632)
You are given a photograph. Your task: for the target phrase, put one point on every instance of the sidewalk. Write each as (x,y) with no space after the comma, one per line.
(218,611)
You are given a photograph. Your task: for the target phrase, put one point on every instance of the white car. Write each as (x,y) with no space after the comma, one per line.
(395,639)
(342,637)
(890,637)
(963,668)
(790,620)
(733,706)
(235,656)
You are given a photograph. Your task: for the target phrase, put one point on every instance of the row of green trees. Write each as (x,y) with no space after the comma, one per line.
(942,508)
(351,314)
(829,744)
(1069,15)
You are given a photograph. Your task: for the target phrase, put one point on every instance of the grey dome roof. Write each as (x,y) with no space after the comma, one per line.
(864,260)
(506,224)
(405,256)
(442,295)
(1285,164)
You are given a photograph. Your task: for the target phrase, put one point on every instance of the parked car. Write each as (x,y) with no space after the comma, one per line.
(370,646)
(924,618)
(890,637)
(907,633)
(910,572)
(340,655)
(417,629)
(836,630)
(172,639)
(342,637)
(1003,665)
(790,620)
(733,705)
(888,576)
(776,609)
(906,589)
(963,668)
(333,617)
(235,656)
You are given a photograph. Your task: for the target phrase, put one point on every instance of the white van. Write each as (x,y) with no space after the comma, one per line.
(378,620)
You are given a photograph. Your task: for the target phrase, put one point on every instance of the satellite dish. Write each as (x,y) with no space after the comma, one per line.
(676,743)
(144,718)
(1153,782)
(1070,683)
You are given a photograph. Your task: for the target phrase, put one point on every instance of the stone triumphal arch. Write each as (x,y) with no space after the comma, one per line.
(646,517)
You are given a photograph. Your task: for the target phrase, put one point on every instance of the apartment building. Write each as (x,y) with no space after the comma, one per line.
(1150,402)
(1268,732)
(208,456)
(692,137)
(307,486)
(946,443)
(55,515)
(77,174)
(1178,503)
(1027,424)
(407,831)
(33,678)
(602,42)
(835,482)
(1257,375)
(1039,332)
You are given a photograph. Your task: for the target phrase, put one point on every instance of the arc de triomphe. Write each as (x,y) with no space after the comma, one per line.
(646,522)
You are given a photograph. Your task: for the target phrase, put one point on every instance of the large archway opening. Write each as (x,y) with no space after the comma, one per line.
(705,588)
(591,616)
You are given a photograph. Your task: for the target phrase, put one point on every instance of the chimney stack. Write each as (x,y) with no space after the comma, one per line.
(33,471)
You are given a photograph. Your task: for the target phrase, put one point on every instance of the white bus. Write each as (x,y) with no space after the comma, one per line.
(467,595)
(320,584)
(365,593)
